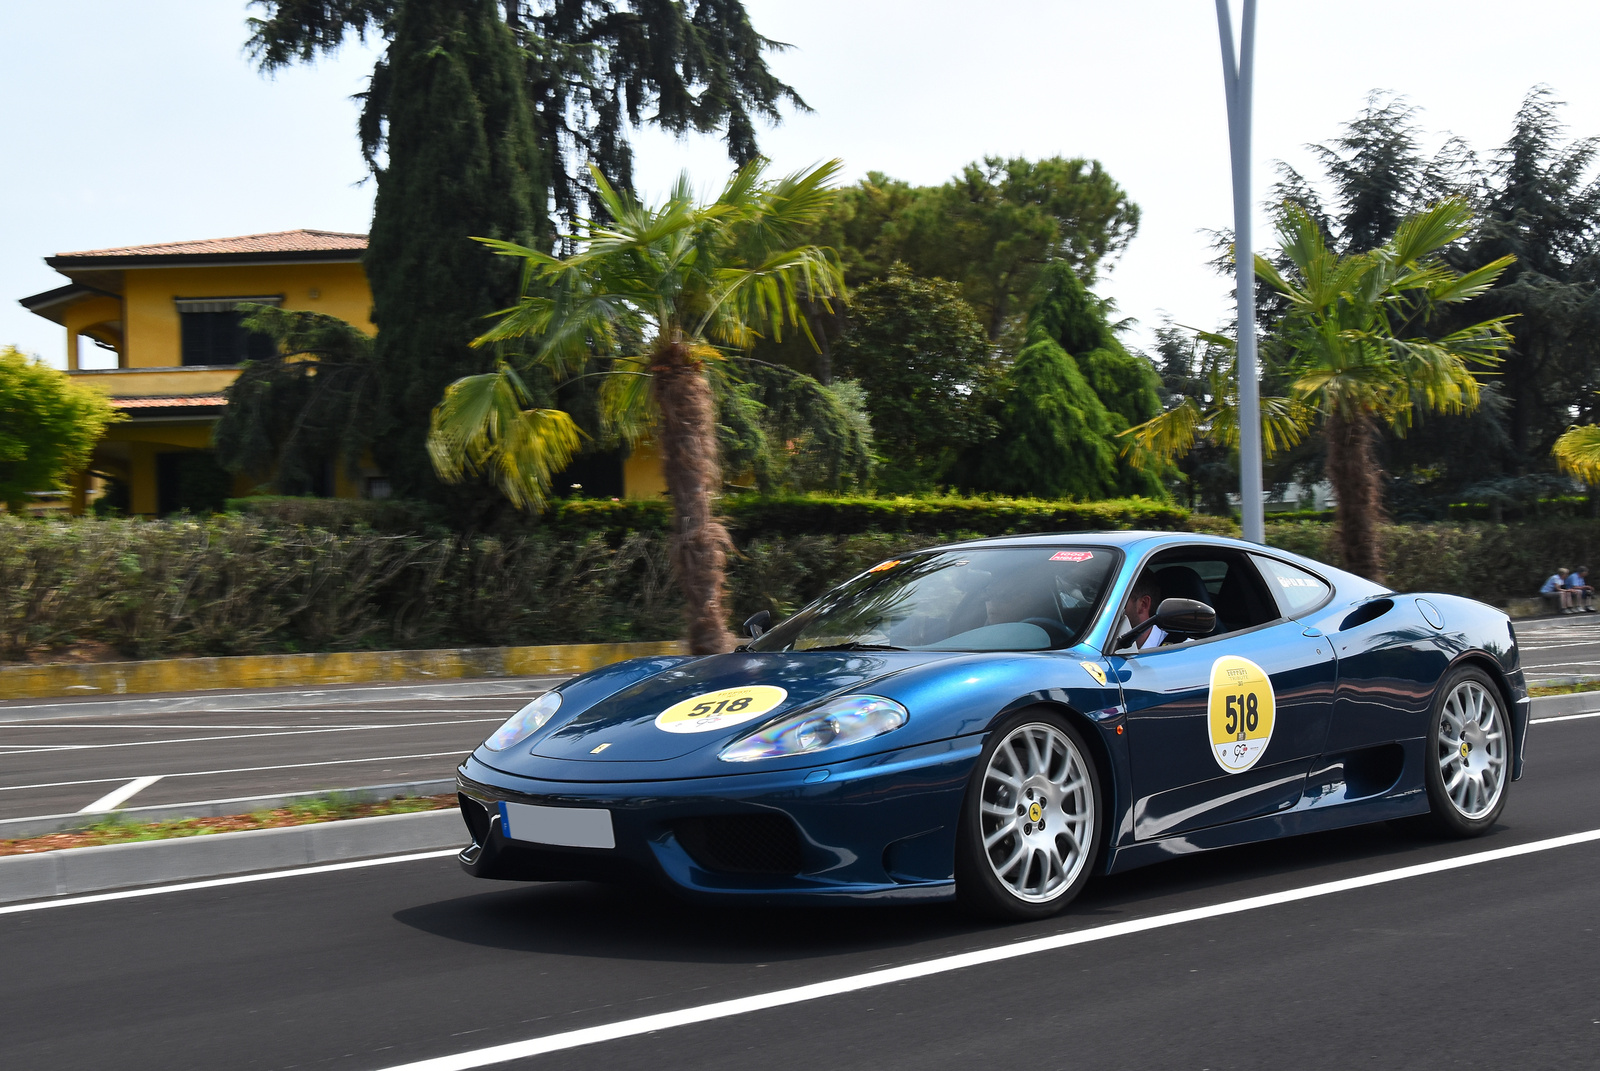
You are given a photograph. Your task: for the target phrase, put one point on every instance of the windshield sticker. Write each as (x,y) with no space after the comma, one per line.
(881,566)
(1072,555)
(1242,713)
(1095,670)
(719,710)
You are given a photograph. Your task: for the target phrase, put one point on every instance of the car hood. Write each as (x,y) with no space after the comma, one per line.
(607,728)
(625,721)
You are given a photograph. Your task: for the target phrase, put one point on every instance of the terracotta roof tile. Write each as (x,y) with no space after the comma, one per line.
(175,401)
(300,241)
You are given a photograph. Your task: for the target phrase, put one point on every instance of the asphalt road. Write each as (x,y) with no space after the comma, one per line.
(1495,964)
(65,763)
(1555,648)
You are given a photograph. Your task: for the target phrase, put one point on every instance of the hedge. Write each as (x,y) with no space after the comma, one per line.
(239,584)
(755,515)
(1490,562)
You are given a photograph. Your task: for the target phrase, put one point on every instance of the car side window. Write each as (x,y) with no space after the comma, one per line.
(1296,590)
(1222,579)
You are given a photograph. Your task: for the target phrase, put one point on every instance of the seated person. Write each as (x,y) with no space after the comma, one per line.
(1578,587)
(1142,604)
(1557,586)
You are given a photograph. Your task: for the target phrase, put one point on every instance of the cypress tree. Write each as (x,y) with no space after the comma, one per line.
(462,160)
(1072,389)
(1053,440)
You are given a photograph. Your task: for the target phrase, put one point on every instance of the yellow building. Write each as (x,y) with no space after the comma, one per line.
(168,314)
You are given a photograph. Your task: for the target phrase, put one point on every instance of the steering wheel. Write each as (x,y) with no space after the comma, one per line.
(1060,635)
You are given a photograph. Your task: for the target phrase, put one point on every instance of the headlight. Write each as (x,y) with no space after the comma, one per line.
(525,722)
(836,723)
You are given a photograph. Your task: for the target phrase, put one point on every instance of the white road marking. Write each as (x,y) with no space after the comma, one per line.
(723,1009)
(243,769)
(214,883)
(36,749)
(117,797)
(1566,717)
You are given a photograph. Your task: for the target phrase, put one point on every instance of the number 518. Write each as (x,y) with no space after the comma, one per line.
(1243,707)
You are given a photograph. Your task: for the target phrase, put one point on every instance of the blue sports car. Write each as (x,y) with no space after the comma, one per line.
(999,720)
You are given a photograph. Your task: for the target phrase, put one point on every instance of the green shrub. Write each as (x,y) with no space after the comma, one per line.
(1490,562)
(750,516)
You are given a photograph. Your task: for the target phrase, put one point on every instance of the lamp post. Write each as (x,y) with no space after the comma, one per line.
(1237,77)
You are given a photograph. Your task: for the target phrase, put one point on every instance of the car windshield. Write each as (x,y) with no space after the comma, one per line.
(1032,598)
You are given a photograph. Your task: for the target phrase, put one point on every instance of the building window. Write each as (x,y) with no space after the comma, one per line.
(212,333)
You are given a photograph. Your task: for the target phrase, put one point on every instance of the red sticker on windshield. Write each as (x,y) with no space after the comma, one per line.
(1072,555)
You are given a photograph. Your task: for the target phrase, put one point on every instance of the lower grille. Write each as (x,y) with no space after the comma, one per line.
(477,818)
(742,843)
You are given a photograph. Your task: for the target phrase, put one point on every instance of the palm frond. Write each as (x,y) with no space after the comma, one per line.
(1577,452)
(481,426)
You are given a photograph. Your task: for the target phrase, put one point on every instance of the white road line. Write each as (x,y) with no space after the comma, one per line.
(723,1009)
(214,883)
(117,797)
(37,749)
(244,769)
(1567,717)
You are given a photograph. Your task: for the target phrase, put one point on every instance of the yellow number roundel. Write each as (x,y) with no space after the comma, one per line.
(1242,713)
(718,710)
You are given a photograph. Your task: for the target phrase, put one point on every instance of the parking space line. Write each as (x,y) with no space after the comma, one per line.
(117,797)
(1567,717)
(36,749)
(723,1009)
(245,769)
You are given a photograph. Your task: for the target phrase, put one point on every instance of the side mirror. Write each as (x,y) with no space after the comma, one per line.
(757,623)
(1180,617)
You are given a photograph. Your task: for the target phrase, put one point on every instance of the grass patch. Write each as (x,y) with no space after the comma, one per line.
(1574,687)
(333,807)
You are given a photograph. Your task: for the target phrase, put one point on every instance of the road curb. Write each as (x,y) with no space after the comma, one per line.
(239,672)
(74,871)
(41,825)
(1552,706)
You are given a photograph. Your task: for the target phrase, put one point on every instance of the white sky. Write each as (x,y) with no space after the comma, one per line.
(130,123)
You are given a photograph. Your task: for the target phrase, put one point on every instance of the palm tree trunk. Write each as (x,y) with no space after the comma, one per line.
(699,544)
(1353,471)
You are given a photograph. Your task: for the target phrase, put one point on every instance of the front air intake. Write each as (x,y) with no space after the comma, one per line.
(765,844)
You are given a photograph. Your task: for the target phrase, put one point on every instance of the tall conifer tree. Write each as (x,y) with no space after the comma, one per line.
(461,162)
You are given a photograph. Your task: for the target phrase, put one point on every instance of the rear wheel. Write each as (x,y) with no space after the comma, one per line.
(1030,824)
(1469,754)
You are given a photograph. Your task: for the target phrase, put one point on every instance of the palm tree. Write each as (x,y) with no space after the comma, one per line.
(1360,354)
(660,296)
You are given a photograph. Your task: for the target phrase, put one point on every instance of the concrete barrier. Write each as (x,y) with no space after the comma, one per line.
(338,667)
(74,871)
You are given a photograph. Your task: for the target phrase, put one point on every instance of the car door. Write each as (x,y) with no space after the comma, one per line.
(1223,727)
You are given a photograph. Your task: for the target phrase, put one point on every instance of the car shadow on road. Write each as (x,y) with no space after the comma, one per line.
(649,923)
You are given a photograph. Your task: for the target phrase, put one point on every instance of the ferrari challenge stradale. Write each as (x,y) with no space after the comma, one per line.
(999,720)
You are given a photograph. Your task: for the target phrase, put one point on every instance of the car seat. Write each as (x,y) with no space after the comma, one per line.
(1182,582)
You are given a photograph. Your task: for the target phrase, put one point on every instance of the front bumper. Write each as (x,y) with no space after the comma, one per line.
(875,828)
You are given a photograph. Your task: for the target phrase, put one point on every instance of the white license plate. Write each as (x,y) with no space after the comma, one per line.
(562,827)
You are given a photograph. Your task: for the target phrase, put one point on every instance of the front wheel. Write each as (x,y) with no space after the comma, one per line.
(1468,760)
(1030,823)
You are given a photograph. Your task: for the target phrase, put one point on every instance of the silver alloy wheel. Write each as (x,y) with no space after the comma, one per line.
(1472,749)
(1037,812)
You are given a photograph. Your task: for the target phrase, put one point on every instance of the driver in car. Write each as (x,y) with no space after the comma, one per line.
(1142,603)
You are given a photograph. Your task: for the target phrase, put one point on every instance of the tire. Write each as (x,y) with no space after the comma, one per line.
(1468,761)
(1031,826)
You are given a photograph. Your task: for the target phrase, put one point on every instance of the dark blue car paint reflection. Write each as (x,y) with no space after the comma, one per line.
(1354,673)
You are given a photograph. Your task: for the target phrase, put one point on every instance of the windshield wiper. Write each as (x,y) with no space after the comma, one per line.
(855,645)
